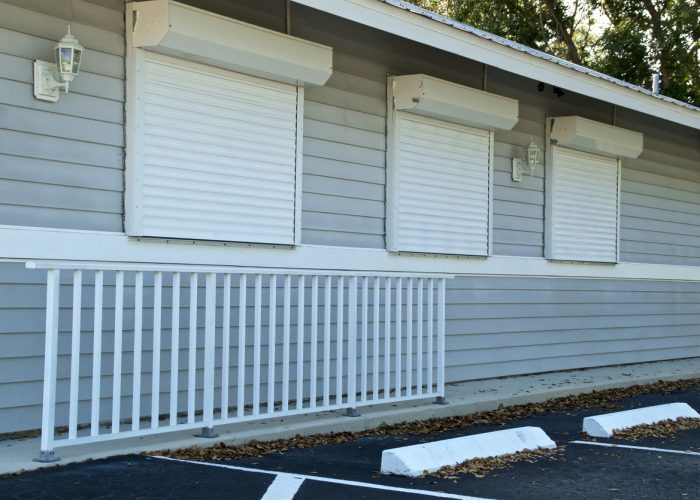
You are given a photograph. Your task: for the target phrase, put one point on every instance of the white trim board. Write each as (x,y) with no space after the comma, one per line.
(405,24)
(28,243)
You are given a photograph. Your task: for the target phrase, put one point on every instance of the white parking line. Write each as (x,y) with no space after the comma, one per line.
(284,487)
(435,494)
(646,448)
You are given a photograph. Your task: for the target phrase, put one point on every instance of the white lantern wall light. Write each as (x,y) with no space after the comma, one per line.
(50,77)
(532,159)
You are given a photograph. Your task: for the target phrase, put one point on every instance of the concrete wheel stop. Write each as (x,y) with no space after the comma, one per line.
(605,425)
(416,459)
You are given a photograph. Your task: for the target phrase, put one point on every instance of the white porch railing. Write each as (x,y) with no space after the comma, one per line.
(143,349)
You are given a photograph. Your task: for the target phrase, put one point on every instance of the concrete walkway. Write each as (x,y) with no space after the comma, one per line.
(463,398)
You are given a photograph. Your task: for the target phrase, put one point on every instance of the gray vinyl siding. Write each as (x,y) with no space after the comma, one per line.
(501,326)
(61,164)
(660,198)
(344,161)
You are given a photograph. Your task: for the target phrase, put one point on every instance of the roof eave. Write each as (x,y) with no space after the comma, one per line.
(402,22)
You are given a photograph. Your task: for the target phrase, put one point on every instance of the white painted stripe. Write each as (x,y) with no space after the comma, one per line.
(645,448)
(434,494)
(284,487)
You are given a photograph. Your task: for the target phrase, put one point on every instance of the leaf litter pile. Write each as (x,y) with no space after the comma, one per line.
(502,415)
(660,429)
(479,467)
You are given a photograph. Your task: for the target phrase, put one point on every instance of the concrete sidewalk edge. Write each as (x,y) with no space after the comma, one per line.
(463,398)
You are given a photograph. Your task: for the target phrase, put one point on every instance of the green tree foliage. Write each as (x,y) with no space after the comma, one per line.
(627,39)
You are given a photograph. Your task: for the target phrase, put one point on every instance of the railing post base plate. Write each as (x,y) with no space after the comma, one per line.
(207,432)
(47,457)
(352,412)
(440,400)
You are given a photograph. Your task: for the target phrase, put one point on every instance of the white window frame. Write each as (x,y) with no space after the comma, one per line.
(392,186)
(133,196)
(550,175)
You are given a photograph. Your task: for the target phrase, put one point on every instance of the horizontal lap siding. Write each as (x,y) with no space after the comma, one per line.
(660,199)
(344,162)
(61,164)
(507,326)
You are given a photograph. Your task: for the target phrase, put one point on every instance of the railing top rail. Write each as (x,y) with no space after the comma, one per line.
(190,268)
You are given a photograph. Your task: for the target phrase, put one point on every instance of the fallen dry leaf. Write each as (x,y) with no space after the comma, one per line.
(479,467)
(659,429)
(502,415)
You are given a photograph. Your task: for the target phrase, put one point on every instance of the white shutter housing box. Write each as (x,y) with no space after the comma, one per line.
(186,32)
(435,98)
(594,137)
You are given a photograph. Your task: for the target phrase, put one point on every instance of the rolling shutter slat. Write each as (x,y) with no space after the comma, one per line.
(443,194)
(229,172)
(585,206)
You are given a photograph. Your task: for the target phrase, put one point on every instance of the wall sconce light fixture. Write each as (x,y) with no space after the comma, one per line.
(50,77)
(532,157)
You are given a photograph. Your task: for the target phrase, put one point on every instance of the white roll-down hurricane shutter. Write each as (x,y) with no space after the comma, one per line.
(218,155)
(585,204)
(442,187)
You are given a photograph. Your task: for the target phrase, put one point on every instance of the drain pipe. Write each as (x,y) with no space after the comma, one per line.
(288,16)
(655,81)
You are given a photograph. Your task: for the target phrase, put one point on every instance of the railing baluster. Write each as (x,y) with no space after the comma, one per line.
(300,342)
(192,349)
(409,336)
(257,329)
(75,355)
(365,333)
(430,336)
(48,416)
(242,295)
(271,355)
(416,368)
(225,346)
(339,343)
(399,319)
(118,333)
(286,340)
(327,341)
(155,386)
(387,337)
(375,342)
(174,347)
(314,341)
(441,338)
(352,342)
(138,347)
(419,338)
(96,355)
(209,353)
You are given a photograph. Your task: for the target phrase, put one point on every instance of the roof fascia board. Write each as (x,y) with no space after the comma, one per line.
(390,19)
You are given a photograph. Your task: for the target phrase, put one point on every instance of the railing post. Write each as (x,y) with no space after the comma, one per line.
(440,399)
(352,347)
(48,416)
(209,348)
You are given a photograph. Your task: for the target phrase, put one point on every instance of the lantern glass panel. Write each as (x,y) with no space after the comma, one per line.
(76,61)
(65,62)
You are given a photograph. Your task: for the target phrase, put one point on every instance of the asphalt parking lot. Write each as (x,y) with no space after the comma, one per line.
(350,470)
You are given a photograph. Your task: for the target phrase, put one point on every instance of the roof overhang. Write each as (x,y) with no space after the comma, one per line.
(406,24)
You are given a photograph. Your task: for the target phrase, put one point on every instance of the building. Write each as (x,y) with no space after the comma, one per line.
(361,138)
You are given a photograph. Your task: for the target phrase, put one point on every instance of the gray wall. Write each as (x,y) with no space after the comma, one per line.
(61,165)
(502,326)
